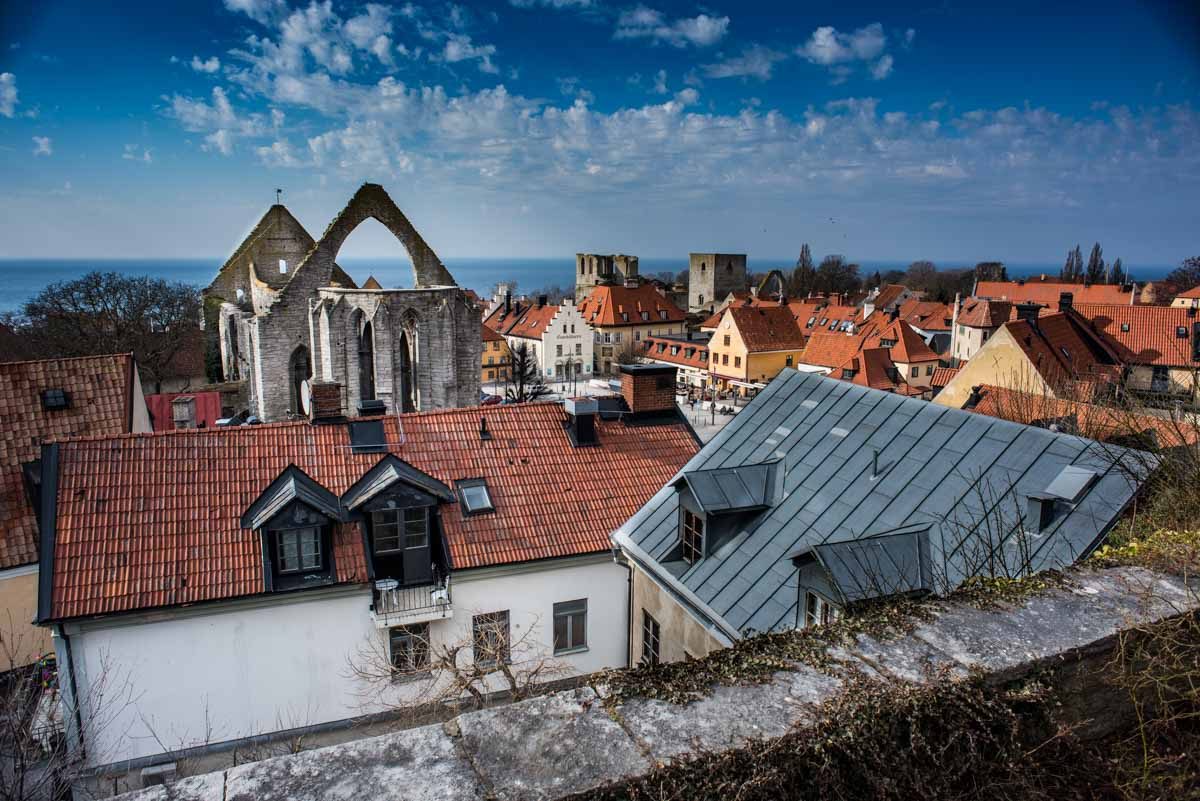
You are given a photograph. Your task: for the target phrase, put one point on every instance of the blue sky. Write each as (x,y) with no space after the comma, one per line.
(951,131)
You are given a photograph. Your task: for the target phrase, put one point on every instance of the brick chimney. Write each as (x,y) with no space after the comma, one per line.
(1029,313)
(1065,301)
(648,389)
(325,404)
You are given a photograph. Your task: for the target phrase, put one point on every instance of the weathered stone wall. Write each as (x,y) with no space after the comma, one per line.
(567,742)
(711,277)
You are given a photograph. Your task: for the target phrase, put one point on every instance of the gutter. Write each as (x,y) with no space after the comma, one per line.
(716,624)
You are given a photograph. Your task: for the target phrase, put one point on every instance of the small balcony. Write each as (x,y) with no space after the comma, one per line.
(395,605)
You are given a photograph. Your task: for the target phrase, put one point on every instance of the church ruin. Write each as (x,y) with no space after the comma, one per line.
(287,316)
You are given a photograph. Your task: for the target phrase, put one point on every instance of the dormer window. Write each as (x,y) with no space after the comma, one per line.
(299,550)
(396,529)
(691,536)
(662,314)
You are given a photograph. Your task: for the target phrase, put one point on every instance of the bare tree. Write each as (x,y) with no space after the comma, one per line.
(464,672)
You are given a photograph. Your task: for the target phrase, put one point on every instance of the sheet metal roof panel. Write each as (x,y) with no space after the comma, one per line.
(827,488)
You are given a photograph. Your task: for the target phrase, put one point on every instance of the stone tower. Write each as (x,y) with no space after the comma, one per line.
(711,277)
(593,269)
(288,315)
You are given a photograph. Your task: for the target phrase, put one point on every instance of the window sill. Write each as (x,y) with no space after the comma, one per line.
(569,651)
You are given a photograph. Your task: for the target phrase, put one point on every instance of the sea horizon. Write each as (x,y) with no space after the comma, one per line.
(21,279)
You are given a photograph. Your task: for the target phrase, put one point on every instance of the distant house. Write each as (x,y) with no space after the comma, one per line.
(932,320)
(822,494)
(689,355)
(40,402)
(1058,354)
(1045,291)
(497,357)
(826,352)
(751,345)
(1159,345)
(1187,299)
(887,299)
(238,574)
(621,316)
(557,336)
(974,321)
(915,361)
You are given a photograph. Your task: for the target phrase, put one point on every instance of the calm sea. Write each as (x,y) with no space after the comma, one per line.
(22,278)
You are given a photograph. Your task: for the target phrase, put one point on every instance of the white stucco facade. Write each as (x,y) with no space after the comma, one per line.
(567,339)
(182,678)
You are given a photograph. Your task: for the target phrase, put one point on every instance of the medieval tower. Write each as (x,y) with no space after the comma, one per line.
(711,277)
(288,316)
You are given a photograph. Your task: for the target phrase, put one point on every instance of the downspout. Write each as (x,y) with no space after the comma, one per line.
(619,559)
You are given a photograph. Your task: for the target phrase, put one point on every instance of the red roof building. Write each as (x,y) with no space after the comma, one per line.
(1046,291)
(1164,336)
(159,520)
(616,306)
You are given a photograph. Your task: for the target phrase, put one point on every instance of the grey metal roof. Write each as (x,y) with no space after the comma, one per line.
(728,489)
(965,475)
(873,567)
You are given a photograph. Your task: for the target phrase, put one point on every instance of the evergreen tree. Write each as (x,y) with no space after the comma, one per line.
(1072,271)
(1095,266)
(804,277)
(1116,274)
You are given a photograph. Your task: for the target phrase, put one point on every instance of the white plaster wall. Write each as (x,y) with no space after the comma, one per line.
(558,332)
(183,680)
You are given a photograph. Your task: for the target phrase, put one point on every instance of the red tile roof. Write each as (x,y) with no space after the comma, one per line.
(1046,292)
(943,375)
(927,315)
(1194,292)
(830,350)
(621,305)
(888,295)
(162,418)
(526,320)
(871,367)
(154,520)
(1090,420)
(909,347)
(1153,335)
(1062,347)
(674,351)
(978,313)
(100,390)
(490,334)
(766,328)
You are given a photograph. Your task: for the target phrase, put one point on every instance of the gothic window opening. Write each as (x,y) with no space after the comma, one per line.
(408,373)
(366,363)
(299,371)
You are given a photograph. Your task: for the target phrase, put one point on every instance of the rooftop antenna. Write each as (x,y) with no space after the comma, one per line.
(278,196)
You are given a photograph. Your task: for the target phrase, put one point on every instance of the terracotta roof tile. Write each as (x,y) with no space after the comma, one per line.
(1047,292)
(909,347)
(1194,292)
(888,295)
(978,313)
(162,417)
(608,306)
(525,319)
(830,350)
(1153,335)
(154,520)
(943,375)
(766,328)
(1062,347)
(675,351)
(927,315)
(99,388)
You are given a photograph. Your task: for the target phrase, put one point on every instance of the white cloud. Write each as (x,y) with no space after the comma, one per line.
(137,153)
(218,120)
(264,12)
(8,94)
(754,62)
(220,140)
(552,3)
(42,146)
(839,52)
(210,66)
(372,31)
(642,22)
(460,48)
(660,82)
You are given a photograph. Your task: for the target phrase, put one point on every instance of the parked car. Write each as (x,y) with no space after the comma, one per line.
(486,399)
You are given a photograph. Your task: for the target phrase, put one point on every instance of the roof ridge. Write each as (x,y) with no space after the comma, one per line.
(126,354)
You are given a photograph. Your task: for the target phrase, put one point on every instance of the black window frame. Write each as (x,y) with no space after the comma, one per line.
(691,537)
(277,534)
(415,639)
(651,640)
(488,619)
(56,399)
(407,520)
(570,611)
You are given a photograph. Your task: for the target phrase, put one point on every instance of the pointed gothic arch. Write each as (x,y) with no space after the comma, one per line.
(366,360)
(371,201)
(299,371)
(779,282)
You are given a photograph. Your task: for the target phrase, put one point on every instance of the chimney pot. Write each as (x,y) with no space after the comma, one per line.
(326,401)
(1029,313)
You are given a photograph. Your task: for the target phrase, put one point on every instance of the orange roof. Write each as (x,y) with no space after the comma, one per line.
(99,390)
(153,520)
(675,351)
(766,328)
(621,305)
(830,350)
(888,295)
(1194,292)
(1046,292)
(928,315)
(828,318)
(1062,346)
(1154,335)
(871,367)
(909,347)
(1085,419)
(527,320)
(489,334)
(943,375)
(978,313)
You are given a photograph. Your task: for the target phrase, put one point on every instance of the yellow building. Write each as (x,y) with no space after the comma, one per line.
(497,359)
(751,345)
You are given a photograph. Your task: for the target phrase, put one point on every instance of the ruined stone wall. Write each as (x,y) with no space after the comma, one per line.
(711,277)
(596,268)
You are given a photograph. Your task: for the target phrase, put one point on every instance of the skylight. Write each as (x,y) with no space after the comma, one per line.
(474,495)
(55,399)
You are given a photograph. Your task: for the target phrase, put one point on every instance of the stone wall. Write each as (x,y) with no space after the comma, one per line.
(555,745)
(711,277)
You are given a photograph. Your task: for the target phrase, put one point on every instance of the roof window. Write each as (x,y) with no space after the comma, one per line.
(474,496)
(366,436)
(1181,331)
(56,399)
(1125,328)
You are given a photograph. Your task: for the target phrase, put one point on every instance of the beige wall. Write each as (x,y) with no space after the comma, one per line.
(606,353)
(23,641)
(680,633)
(924,376)
(1001,363)
(1182,380)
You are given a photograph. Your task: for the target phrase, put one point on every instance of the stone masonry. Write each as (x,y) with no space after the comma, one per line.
(711,277)
(289,314)
(592,269)
(568,742)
